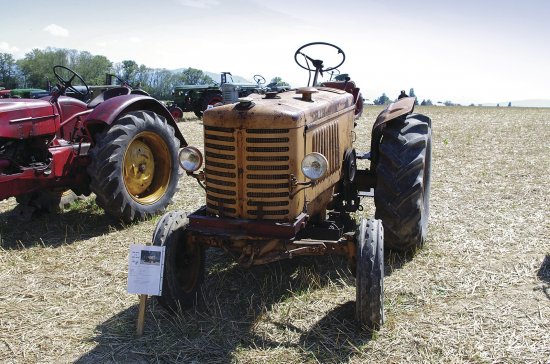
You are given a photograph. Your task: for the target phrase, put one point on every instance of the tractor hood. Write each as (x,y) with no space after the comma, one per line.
(286,110)
(24,118)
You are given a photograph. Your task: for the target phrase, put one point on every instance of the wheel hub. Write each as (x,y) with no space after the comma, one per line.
(139,167)
(147,168)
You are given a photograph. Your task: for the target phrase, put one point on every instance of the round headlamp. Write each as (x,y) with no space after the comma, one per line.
(190,159)
(314,166)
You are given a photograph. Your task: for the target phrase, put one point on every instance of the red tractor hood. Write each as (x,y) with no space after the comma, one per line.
(24,118)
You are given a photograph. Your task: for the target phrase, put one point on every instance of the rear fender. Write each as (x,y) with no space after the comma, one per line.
(110,110)
(396,110)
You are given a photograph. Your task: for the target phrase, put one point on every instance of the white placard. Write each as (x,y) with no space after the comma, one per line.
(145,269)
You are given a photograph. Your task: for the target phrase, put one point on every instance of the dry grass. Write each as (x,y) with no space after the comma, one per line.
(478,292)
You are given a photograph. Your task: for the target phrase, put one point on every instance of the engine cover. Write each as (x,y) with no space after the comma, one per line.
(23,118)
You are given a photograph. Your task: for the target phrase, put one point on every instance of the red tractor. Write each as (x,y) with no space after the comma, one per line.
(122,145)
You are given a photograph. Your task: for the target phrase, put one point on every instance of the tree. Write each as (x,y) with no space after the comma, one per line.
(37,66)
(426,103)
(382,100)
(510,104)
(278,81)
(91,68)
(8,71)
(160,83)
(193,76)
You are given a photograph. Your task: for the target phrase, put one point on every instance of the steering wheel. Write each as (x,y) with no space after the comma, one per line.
(259,79)
(317,63)
(68,83)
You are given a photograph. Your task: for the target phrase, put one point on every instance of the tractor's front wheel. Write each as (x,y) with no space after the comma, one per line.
(184,263)
(134,166)
(402,190)
(369,276)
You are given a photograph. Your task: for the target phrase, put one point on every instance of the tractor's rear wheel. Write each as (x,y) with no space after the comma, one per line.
(208,100)
(184,263)
(177,112)
(134,169)
(369,276)
(403,182)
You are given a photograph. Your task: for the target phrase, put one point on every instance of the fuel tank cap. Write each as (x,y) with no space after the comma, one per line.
(244,103)
(306,92)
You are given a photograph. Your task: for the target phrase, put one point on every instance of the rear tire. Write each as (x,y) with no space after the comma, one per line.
(177,113)
(184,263)
(403,182)
(208,100)
(369,277)
(134,170)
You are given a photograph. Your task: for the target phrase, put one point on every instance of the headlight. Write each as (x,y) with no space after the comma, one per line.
(314,166)
(190,159)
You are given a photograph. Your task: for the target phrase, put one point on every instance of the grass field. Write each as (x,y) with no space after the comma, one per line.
(479,292)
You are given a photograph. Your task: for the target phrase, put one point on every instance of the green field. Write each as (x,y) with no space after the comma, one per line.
(478,292)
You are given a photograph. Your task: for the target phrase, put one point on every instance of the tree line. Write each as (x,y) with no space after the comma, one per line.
(35,70)
(385,100)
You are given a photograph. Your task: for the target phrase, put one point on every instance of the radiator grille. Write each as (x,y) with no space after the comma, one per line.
(325,141)
(247,172)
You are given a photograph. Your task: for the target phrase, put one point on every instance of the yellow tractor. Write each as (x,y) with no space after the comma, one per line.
(281,180)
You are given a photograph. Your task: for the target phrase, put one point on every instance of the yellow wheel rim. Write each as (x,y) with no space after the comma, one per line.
(147,168)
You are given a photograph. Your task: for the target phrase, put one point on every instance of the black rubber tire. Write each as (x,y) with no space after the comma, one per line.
(206,100)
(402,190)
(181,282)
(177,112)
(107,172)
(369,277)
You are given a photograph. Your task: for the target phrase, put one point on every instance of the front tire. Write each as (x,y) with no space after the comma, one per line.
(369,277)
(183,265)
(134,170)
(403,182)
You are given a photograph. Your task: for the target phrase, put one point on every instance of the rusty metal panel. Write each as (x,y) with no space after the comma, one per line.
(248,172)
(252,152)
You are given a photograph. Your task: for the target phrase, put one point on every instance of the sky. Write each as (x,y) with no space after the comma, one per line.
(467,51)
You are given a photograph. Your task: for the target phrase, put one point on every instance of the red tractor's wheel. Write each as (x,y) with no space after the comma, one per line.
(184,263)
(369,276)
(134,170)
(208,100)
(177,113)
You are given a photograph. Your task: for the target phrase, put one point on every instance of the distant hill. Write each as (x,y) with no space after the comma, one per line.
(217,76)
(522,103)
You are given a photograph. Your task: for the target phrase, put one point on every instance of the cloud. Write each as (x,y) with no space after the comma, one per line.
(135,40)
(6,48)
(200,4)
(56,30)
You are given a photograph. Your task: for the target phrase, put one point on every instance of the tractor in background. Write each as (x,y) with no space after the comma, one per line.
(199,98)
(122,145)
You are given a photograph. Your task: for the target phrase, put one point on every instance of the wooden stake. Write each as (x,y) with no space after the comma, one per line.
(141,314)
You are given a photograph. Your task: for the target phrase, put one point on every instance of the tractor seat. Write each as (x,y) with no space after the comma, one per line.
(108,94)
